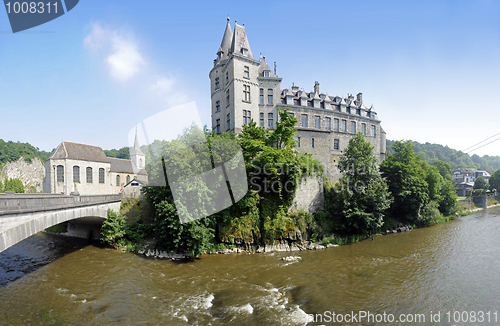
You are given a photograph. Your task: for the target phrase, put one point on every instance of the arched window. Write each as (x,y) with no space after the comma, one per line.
(76,173)
(60,173)
(118,180)
(128,178)
(140,162)
(89,174)
(101,175)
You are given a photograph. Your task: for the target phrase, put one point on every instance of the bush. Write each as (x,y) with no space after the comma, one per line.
(113,229)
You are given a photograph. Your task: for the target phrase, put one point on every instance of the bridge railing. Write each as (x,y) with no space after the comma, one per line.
(11,203)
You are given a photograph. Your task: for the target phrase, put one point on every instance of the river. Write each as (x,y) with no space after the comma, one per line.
(447,268)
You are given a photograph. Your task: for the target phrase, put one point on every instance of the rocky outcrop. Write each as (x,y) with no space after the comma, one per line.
(31,174)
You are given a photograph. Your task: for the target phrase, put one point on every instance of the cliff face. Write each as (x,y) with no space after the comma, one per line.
(31,174)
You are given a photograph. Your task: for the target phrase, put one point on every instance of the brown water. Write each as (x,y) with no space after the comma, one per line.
(448,267)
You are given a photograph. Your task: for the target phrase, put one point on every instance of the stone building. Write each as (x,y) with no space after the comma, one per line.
(244,88)
(86,170)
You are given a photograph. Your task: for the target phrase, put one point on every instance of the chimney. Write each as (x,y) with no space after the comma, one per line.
(316,87)
(359,98)
(295,88)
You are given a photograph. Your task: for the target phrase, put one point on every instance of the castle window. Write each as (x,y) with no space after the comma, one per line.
(270,120)
(317,122)
(312,142)
(246,117)
(217,128)
(310,104)
(270,96)
(358,111)
(228,121)
(328,123)
(304,120)
(60,173)
(266,73)
(336,124)
(298,141)
(227,77)
(217,106)
(337,108)
(343,125)
(246,93)
(140,162)
(101,175)
(374,131)
(363,128)
(217,83)
(261,99)
(76,173)
(244,51)
(353,127)
(261,116)
(292,114)
(118,180)
(336,144)
(246,72)
(89,174)
(128,179)
(296,102)
(227,97)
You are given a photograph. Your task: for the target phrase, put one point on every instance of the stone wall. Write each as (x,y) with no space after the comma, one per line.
(31,174)
(310,195)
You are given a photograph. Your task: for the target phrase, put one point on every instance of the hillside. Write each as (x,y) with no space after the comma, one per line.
(431,152)
(11,152)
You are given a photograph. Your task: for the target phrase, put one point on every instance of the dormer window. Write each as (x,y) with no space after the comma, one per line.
(266,73)
(244,51)
(285,92)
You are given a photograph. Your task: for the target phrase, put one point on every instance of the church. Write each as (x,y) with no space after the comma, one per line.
(244,89)
(79,169)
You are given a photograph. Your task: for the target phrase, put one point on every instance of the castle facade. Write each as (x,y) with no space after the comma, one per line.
(244,89)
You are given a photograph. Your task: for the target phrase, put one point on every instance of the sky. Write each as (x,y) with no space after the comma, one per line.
(431,69)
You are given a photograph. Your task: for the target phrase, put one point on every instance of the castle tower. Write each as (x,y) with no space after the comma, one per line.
(136,155)
(242,88)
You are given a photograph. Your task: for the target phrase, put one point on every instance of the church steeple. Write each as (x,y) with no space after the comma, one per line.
(136,155)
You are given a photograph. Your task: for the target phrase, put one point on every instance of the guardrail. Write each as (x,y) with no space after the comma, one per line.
(11,203)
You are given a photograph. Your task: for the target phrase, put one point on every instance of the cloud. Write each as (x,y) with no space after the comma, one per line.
(125,62)
(123,59)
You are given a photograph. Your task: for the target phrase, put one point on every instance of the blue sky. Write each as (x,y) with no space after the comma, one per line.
(430,68)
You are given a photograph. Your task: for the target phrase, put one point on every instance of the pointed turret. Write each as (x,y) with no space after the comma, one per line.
(225,44)
(240,44)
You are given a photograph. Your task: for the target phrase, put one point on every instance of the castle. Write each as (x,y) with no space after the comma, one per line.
(244,88)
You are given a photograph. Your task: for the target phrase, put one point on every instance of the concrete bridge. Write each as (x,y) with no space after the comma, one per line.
(22,215)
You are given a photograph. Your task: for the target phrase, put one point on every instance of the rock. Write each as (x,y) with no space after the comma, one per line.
(291,258)
(331,245)
(140,252)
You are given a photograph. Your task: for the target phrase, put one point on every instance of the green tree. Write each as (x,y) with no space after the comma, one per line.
(113,228)
(480,183)
(15,185)
(406,180)
(494,180)
(362,197)
(444,169)
(1,186)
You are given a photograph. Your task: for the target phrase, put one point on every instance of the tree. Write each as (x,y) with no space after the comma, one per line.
(14,185)
(113,228)
(494,180)
(362,197)
(480,183)
(406,180)
(444,169)
(1,186)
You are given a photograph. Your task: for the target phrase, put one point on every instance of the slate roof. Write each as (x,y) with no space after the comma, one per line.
(263,66)
(79,152)
(240,41)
